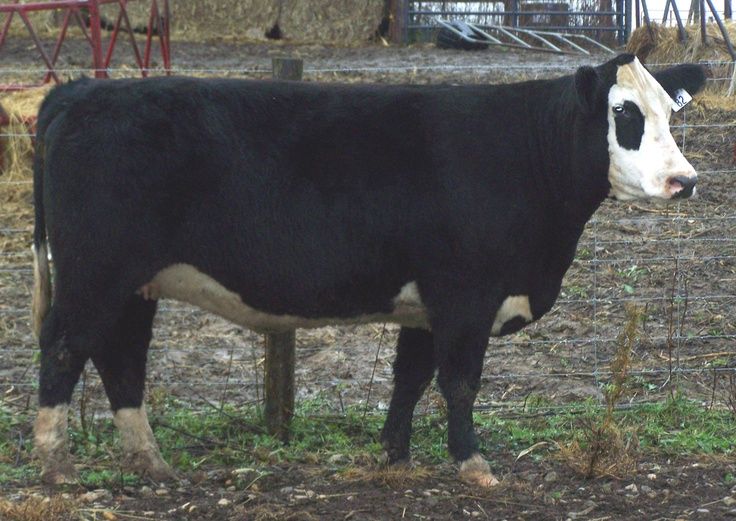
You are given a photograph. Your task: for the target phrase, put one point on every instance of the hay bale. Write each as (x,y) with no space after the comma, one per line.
(662,44)
(17,146)
(300,21)
(206,19)
(323,21)
(715,106)
(333,21)
(643,41)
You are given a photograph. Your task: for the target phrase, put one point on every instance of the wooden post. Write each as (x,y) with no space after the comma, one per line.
(279,382)
(278,379)
(287,68)
(399,21)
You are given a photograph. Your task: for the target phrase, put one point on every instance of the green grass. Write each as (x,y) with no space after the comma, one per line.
(12,448)
(631,276)
(684,427)
(234,437)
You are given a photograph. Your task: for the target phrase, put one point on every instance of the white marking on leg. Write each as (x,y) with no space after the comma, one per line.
(140,451)
(409,295)
(50,429)
(476,471)
(135,432)
(409,309)
(52,444)
(513,306)
(149,291)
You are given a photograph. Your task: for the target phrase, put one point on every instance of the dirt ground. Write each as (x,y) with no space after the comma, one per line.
(678,261)
(662,490)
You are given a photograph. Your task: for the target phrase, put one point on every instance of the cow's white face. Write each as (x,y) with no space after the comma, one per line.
(644,158)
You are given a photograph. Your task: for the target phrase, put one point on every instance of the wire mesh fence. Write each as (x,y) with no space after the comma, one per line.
(676,261)
(581,15)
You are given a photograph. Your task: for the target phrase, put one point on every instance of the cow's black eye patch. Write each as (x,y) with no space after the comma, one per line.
(629,125)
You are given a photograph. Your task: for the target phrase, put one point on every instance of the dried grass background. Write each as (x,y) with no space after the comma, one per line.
(16,190)
(317,21)
(659,44)
(55,508)
(17,146)
(344,22)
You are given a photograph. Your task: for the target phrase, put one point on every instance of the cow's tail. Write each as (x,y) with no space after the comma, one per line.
(55,103)
(41,270)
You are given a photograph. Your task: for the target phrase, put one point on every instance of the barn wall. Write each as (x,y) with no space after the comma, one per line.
(320,21)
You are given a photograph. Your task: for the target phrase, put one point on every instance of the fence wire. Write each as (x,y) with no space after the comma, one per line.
(403,67)
(677,262)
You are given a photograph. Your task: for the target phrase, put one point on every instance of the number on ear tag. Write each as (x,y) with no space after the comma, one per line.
(682,98)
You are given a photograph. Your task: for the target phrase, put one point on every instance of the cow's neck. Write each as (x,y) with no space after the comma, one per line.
(576,185)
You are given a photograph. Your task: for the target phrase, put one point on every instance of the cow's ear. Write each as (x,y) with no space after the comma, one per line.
(689,77)
(587,84)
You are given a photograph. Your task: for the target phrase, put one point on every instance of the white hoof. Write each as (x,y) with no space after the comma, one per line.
(149,464)
(476,472)
(60,473)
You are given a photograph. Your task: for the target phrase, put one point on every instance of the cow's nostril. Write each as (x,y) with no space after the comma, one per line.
(681,186)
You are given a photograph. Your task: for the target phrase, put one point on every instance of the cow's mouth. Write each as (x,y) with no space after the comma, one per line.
(681,187)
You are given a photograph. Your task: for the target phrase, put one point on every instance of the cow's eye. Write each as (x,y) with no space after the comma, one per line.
(619,109)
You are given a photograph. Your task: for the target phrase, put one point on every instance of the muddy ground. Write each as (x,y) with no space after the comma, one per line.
(677,261)
(661,490)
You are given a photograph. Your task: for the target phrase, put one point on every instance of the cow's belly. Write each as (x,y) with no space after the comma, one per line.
(185,283)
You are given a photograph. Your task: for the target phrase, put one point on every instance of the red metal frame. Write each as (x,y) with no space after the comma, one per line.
(158,25)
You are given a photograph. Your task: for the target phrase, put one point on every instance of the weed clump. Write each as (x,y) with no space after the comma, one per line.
(608,448)
(38,509)
(389,476)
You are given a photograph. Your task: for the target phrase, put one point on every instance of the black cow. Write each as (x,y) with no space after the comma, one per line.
(451,210)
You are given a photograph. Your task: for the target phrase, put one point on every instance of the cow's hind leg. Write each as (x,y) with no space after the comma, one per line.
(413,371)
(121,363)
(63,355)
(461,345)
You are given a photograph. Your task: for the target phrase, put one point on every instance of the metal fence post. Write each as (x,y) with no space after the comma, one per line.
(703,35)
(278,368)
(96,39)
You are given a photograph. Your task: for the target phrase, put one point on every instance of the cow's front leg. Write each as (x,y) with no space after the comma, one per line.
(122,366)
(413,371)
(461,344)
